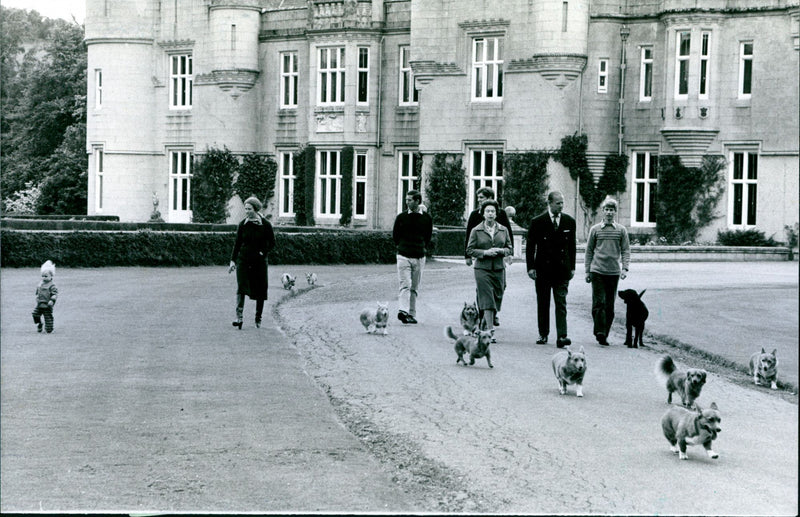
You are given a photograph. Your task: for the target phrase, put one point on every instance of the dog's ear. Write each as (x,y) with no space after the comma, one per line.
(703,376)
(640,294)
(714,406)
(763,351)
(775,352)
(581,350)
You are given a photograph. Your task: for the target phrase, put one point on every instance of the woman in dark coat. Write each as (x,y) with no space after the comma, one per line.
(489,243)
(254,239)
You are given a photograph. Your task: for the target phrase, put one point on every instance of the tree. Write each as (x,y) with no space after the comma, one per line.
(212,185)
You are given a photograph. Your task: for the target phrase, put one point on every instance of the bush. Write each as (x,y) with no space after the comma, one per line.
(212,185)
(751,237)
(23,201)
(525,188)
(572,155)
(448,243)
(347,186)
(303,199)
(256,178)
(446,191)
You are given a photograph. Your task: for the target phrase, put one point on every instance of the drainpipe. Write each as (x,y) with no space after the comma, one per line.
(624,32)
(378,144)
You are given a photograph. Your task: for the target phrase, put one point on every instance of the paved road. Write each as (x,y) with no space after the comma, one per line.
(146,399)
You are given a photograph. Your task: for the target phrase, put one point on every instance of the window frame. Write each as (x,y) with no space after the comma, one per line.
(495,180)
(360,179)
(602,75)
(326,84)
(99,175)
(406,79)
(480,68)
(744,61)
(184,158)
(362,77)
(680,61)
(328,189)
(646,74)
(289,80)
(746,184)
(286,182)
(704,72)
(406,179)
(648,183)
(184,79)
(98,88)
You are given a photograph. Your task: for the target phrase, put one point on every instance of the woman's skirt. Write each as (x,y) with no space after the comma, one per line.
(489,289)
(251,277)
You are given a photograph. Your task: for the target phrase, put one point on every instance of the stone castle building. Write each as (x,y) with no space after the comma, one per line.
(402,80)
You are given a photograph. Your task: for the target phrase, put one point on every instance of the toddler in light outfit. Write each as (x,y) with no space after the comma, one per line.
(46,295)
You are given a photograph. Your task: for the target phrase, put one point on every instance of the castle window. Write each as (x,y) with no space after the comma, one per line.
(409,163)
(485,170)
(646,75)
(330,79)
(180,83)
(363,75)
(682,50)
(329,183)
(645,188)
(602,76)
(287,177)
(743,189)
(98,88)
(745,69)
(98,184)
(360,194)
(409,96)
(487,68)
(289,77)
(705,55)
(180,177)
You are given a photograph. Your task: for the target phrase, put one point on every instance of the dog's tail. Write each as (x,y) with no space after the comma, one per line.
(448,332)
(664,367)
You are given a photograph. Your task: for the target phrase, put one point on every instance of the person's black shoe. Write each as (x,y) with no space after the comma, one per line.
(237,323)
(258,323)
(411,319)
(542,340)
(563,341)
(402,316)
(496,321)
(601,338)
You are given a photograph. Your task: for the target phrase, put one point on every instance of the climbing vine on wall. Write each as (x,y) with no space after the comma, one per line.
(525,186)
(447,190)
(347,186)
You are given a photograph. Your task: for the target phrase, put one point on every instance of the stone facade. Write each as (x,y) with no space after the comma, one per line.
(643,77)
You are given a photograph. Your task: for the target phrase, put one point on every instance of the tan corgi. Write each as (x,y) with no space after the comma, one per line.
(470,318)
(764,368)
(311,278)
(688,384)
(288,281)
(477,345)
(570,368)
(376,319)
(684,427)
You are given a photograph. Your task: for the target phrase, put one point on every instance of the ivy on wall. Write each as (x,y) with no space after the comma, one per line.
(256,178)
(347,186)
(613,179)
(303,199)
(446,190)
(212,185)
(526,182)
(687,196)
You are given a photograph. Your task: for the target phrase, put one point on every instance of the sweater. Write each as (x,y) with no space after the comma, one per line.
(45,293)
(412,233)
(607,245)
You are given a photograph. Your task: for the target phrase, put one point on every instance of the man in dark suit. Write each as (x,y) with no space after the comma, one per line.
(550,258)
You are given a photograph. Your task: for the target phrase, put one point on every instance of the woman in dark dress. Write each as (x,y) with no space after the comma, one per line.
(254,239)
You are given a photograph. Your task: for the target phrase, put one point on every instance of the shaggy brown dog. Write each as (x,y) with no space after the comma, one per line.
(688,384)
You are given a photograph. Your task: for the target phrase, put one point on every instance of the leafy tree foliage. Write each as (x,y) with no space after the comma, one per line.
(526,181)
(256,178)
(43,110)
(212,185)
(447,190)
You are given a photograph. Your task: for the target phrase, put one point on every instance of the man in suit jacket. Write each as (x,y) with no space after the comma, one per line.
(550,258)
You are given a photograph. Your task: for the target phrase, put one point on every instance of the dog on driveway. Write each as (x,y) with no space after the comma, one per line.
(477,345)
(470,318)
(376,319)
(569,368)
(764,368)
(635,315)
(684,427)
(288,280)
(688,384)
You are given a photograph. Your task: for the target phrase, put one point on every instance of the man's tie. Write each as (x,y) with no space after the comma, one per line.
(555,222)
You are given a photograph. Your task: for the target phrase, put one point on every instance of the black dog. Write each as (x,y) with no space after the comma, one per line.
(635,315)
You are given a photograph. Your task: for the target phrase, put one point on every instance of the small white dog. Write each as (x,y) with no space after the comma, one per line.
(288,281)
(311,278)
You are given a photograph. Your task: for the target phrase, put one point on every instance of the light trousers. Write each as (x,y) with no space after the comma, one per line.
(409,273)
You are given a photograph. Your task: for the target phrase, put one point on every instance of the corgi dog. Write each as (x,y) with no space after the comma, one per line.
(288,281)
(311,278)
(376,319)
(476,345)
(470,318)
(635,315)
(570,368)
(688,384)
(764,368)
(684,427)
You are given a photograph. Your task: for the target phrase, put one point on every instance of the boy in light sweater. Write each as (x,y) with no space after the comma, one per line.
(46,295)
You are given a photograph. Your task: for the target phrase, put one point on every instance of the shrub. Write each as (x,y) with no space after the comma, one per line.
(256,178)
(304,166)
(751,237)
(526,181)
(23,201)
(572,155)
(612,182)
(212,185)
(347,186)
(687,197)
(446,190)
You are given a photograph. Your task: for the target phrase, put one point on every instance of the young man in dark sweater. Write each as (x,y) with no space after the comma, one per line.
(412,234)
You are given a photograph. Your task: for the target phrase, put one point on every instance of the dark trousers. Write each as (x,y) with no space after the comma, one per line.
(47,312)
(559,289)
(604,293)
(240,307)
